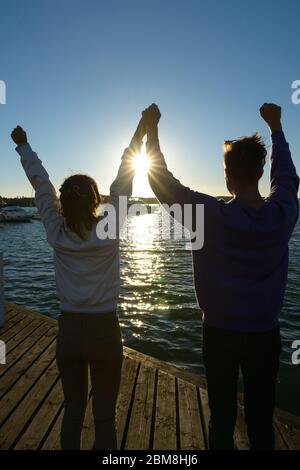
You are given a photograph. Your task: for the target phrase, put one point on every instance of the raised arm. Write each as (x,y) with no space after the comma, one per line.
(46,200)
(165,186)
(284,180)
(122,185)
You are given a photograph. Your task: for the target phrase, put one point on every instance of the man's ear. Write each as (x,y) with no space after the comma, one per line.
(228,181)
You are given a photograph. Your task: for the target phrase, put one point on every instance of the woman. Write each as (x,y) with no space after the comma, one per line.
(87,279)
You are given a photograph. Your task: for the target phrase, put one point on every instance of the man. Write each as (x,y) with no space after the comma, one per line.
(240,274)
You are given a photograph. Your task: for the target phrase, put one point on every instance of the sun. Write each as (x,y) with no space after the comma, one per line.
(141,166)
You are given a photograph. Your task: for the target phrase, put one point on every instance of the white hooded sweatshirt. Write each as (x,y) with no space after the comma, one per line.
(86,271)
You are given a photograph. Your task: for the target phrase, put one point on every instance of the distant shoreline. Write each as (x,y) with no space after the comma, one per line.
(29,201)
(23,201)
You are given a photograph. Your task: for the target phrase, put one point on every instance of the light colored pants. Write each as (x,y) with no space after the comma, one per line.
(89,341)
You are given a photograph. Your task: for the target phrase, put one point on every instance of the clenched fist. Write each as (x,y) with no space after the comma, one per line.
(19,136)
(151,117)
(271,113)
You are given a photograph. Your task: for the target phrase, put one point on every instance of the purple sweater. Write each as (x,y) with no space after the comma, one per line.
(240,274)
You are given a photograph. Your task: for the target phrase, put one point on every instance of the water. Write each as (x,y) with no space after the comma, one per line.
(157,308)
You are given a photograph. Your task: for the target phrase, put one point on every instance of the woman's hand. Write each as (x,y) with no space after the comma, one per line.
(140,130)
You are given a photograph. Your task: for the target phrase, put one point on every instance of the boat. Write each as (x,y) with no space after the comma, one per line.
(36,216)
(14,214)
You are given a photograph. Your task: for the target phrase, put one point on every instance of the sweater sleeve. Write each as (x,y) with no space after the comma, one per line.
(166,187)
(46,200)
(121,188)
(122,185)
(284,180)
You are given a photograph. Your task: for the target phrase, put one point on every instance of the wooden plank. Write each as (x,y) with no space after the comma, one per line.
(138,435)
(191,435)
(240,435)
(12,311)
(9,312)
(205,413)
(27,362)
(21,416)
(39,426)
(287,418)
(17,353)
(11,320)
(280,443)
(17,340)
(32,313)
(288,436)
(165,432)
(165,366)
(129,372)
(52,441)
(26,332)
(11,399)
(12,333)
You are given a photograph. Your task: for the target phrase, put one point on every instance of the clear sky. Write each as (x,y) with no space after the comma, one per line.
(78,73)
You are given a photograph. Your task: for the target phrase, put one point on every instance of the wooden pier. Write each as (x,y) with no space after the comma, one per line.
(160,407)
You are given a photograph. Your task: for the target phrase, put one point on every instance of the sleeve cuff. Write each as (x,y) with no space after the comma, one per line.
(23,149)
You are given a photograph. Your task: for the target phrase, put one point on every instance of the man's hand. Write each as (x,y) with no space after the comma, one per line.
(271,113)
(151,117)
(19,136)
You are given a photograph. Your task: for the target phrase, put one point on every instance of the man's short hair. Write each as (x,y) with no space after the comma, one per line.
(245,157)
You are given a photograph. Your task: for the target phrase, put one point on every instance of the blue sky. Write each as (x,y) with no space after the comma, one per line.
(78,74)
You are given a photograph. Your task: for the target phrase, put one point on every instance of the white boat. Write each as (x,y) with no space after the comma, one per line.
(36,216)
(14,214)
